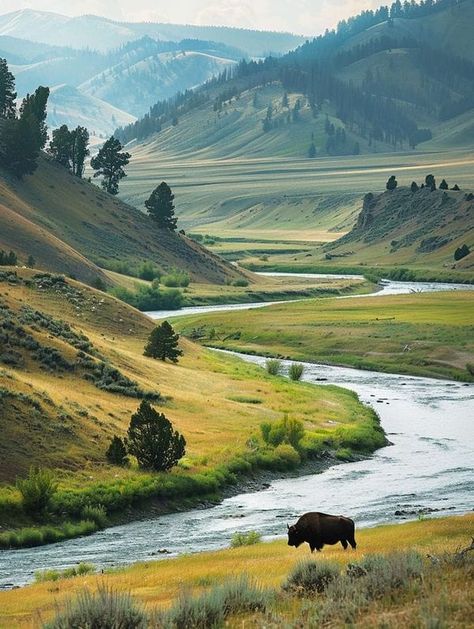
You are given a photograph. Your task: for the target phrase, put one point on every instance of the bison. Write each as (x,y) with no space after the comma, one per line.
(318,529)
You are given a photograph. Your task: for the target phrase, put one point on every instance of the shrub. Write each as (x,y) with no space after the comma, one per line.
(8,259)
(176,278)
(461,252)
(389,572)
(105,608)
(295,371)
(240,282)
(344,454)
(212,608)
(96,514)
(99,284)
(310,577)
(273,366)
(37,490)
(245,539)
(287,430)
(148,272)
(54,575)
(470,368)
(117,452)
(287,456)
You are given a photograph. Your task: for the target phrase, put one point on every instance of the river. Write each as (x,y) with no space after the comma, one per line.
(428,468)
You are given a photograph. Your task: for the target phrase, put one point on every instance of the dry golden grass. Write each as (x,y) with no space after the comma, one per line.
(158,583)
(198,394)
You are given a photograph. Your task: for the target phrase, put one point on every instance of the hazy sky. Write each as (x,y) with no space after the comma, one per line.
(299,16)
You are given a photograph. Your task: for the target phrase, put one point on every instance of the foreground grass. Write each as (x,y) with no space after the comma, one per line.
(58,419)
(429,334)
(443,593)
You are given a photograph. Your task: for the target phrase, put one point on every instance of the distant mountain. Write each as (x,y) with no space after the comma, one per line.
(98,33)
(130,78)
(68,105)
(145,74)
(384,80)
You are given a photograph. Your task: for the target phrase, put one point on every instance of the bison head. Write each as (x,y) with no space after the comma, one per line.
(294,536)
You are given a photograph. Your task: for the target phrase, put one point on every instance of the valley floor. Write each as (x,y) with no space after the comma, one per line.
(424,334)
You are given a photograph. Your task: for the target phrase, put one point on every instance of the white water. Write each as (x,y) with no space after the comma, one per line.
(429,466)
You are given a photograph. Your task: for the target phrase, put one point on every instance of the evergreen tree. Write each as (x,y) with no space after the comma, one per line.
(160,207)
(7,91)
(60,147)
(461,252)
(414,186)
(153,441)
(312,150)
(443,185)
(109,164)
(33,109)
(80,150)
(391,183)
(18,150)
(117,452)
(163,343)
(455,187)
(356,149)
(430,182)
(284,101)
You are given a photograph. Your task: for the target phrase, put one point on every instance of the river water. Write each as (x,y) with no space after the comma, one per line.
(428,468)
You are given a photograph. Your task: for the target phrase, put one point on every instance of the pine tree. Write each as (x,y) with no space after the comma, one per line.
(33,108)
(109,164)
(153,441)
(391,183)
(60,147)
(414,186)
(117,452)
(163,343)
(80,150)
(7,91)
(443,185)
(18,151)
(430,182)
(312,150)
(161,208)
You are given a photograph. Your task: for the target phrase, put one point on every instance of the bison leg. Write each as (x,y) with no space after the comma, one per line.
(352,542)
(344,543)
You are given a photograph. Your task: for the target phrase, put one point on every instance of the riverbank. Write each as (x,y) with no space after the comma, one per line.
(258,288)
(371,273)
(53,416)
(443,593)
(420,334)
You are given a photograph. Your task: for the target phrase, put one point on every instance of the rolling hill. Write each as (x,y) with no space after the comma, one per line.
(106,90)
(71,106)
(259,153)
(71,226)
(415,229)
(98,33)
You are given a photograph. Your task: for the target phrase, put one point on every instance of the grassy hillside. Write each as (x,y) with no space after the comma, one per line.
(72,372)
(426,334)
(421,229)
(441,596)
(63,212)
